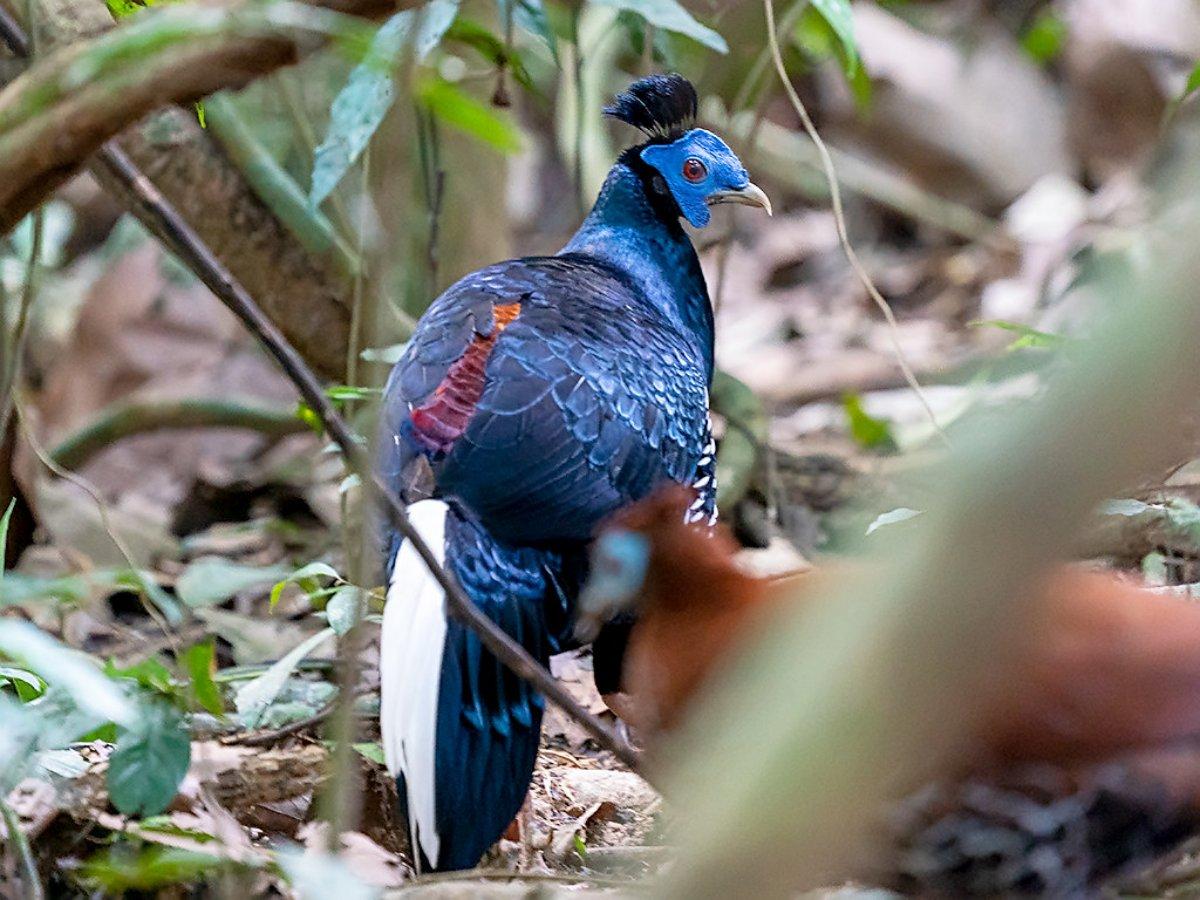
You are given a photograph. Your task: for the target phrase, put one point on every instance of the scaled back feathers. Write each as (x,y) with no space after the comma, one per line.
(660,106)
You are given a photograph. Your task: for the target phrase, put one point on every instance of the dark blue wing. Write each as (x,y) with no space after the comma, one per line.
(588,398)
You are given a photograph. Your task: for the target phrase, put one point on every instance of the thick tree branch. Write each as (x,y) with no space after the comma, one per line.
(58,113)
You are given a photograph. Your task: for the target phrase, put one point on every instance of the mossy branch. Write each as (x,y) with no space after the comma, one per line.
(127,419)
(70,102)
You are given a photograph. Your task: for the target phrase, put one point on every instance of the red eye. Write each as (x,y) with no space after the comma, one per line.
(694,170)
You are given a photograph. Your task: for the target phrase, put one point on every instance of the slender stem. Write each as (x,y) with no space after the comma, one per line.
(360,276)
(126,419)
(28,294)
(577,79)
(839,218)
(155,602)
(31,881)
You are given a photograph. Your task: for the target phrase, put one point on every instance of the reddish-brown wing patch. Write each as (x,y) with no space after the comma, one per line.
(442,419)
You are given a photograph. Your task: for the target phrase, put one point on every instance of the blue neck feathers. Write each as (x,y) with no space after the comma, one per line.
(643,238)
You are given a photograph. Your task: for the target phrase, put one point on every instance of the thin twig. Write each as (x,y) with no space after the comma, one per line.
(31,881)
(28,294)
(149,589)
(183,240)
(840,218)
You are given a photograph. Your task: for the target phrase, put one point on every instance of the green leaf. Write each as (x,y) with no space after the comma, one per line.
(214,579)
(200,663)
(343,392)
(841,19)
(306,577)
(309,417)
(491,48)
(1029,337)
(360,106)
(868,432)
(253,697)
(371,751)
(4,520)
(1193,83)
(122,8)
(531,15)
(345,608)
(670,16)
(68,669)
(121,869)
(149,762)
(1044,39)
(464,113)
(149,673)
(27,685)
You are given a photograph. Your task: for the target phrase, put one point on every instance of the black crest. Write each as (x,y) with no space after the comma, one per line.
(661,106)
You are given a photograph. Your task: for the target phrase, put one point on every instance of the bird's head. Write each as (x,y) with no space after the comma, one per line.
(692,165)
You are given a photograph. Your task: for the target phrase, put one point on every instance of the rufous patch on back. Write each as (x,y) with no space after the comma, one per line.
(443,418)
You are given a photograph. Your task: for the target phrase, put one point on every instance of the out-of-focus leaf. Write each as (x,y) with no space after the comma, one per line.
(122,868)
(362,103)
(1128,507)
(531,15)
(200,663)
(318,876)
(19,730)
(253,698)
(4,520)
(491,48)
(1044,39)
(819,39)
(27,685)
(1193,82)
(840,18)
(306,577)
(1028,337)
(149,673)
(868,432)
(389,355)
(17,587)
(345,608)
(149,762)
(74,672)
(1184,517)
(671,16)
(892,517)
(464,113)
(214,579)
(371,751)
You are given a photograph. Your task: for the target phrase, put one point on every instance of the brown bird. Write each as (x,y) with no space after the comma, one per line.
(1086,763)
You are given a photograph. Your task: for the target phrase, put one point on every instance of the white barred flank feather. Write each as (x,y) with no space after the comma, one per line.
(410,664)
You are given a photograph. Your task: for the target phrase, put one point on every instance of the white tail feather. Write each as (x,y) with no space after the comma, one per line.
(410,664)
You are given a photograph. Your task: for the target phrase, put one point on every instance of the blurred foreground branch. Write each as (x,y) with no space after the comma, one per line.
(849,700)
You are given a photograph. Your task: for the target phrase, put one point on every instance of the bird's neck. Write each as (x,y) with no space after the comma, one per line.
(633,230)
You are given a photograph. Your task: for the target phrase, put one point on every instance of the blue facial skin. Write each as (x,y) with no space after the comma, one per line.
(725,171)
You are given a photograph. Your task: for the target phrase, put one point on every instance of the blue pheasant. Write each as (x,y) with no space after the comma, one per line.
(536,397)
